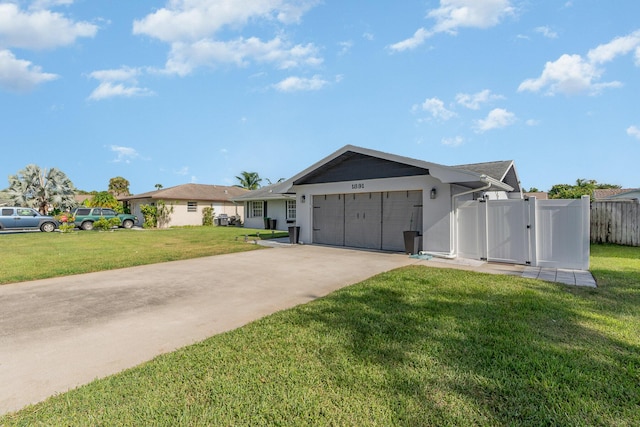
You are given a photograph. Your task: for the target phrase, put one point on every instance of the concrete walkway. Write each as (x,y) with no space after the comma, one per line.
(557,275)
(57,334)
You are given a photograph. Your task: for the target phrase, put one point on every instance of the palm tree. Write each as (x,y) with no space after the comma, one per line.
(119,186)
(249,180)
(40,188)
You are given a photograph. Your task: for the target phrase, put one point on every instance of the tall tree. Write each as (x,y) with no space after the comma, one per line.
(119,186)
(249,180)
(583,187)
(41,189)
(104,199)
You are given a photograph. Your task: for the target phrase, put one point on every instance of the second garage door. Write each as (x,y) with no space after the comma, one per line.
(366,220)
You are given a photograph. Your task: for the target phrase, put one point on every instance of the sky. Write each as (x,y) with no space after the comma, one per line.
(196,91)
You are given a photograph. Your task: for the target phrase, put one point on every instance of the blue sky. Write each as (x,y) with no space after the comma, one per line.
(177,91)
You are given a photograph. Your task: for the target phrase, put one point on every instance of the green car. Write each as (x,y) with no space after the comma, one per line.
(84,217)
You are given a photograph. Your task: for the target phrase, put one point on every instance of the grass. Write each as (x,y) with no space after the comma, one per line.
(414,346)
(31,256)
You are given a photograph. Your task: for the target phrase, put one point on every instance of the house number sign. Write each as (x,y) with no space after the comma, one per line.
(357,186)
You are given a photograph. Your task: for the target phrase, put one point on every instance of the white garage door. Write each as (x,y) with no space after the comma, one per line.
(366,220)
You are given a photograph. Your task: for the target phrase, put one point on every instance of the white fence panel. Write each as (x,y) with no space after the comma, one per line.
(544,233)
(507,231)
(562,233)
(471,231)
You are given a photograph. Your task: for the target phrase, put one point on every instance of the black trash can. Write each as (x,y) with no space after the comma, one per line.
(411,242)
(294,235)
(272,224)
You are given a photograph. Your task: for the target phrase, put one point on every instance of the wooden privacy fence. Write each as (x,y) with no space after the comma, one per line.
(616,221)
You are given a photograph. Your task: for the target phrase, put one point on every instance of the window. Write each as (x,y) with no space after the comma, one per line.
(255,209)
(192,206)
(291,209)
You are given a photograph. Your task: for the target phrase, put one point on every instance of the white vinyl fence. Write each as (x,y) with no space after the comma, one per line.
(543,233)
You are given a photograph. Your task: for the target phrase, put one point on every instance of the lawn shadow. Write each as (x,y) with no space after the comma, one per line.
(491,352)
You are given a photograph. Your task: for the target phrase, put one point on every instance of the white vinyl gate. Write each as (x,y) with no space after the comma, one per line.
(544,233)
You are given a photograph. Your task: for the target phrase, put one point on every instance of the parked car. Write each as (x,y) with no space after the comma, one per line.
(18,218)
(85,217)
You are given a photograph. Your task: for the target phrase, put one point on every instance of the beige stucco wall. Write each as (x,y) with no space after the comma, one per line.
(181,216)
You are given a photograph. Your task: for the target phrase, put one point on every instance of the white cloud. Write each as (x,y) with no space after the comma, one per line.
(110,90)
(475,100)
(435,107)
(45,4)
(18,75)
(547,32)
(345,47)
(191,20)
(185,57)
(453,142)
(119,74)
(532,122)
(296,84)
(39,29)
(455,14)
(192,29)
(618,46)
(633,131)
(120,82)
(573,74)
(569,75)
(124,154)
(498,118)
(416,40)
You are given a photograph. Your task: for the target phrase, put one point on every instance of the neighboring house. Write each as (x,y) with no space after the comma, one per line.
(270,202)
(363,198)
(540,195)
(616,193)
(188,201)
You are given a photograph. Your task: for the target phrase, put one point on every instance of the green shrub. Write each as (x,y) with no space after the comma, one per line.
(207,216)
(104,224)
(150,214)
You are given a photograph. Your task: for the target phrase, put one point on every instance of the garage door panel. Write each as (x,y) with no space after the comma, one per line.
(363,218)
(328,219)
(402,210)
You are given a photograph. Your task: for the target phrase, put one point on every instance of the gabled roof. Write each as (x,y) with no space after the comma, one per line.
(605,193)
(446,174)
(503,170)
(270,192)
(209,193)
(352,162)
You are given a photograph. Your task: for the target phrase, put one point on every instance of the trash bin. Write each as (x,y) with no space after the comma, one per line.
(294,234)
(223,220)
(272,224)
(411,242)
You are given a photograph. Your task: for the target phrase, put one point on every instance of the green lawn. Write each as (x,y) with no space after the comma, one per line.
(415,346)
(30,256)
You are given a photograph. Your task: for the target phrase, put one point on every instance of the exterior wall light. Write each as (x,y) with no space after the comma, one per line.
(303,198)
(434,193)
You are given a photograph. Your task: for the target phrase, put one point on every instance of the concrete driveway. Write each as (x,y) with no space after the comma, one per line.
(57,334)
